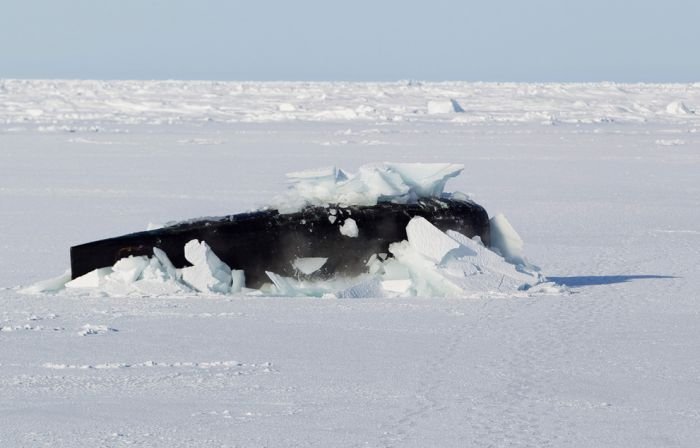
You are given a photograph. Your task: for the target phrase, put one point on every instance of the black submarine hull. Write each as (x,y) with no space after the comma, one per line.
(270,241)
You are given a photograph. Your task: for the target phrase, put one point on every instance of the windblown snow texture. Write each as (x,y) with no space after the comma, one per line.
(600,181)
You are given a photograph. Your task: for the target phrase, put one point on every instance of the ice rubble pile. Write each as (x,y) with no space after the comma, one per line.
(386,182)
(429,263)
(154,275)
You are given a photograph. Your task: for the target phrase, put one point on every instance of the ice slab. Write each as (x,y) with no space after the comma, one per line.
(93,279)
(484,270)
(127,270)
(428,240)
(506,240)
(167,265)
(426,278)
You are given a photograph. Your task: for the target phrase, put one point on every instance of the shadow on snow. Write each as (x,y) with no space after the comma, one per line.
(594,280)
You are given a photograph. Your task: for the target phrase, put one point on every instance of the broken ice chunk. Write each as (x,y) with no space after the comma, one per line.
(93,279)
(128,269)
(372,184)
(426,179)
(427,279)
(369,287)
(309,265)
(283,285)
(166,263)
(349,228)
(237,280)
(397,286)
(428,240)
(506,240)
(492,270)
(208,273)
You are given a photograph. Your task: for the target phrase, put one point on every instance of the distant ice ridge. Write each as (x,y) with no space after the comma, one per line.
(373,183)
(429,263)
(110,106)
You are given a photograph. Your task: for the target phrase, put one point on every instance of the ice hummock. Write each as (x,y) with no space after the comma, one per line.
(400,183)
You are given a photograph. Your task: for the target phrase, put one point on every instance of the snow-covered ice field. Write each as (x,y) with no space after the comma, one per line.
(602,181)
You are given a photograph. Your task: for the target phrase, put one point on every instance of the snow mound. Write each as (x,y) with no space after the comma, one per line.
(373,183)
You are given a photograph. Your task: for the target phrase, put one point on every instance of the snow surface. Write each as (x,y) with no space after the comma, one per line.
(601,206)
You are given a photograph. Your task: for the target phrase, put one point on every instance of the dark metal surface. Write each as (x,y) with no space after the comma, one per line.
(270,241)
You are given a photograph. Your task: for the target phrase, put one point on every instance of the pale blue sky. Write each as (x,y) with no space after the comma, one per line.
(489,40)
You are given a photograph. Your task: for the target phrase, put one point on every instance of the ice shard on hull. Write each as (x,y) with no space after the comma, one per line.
(270,241)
